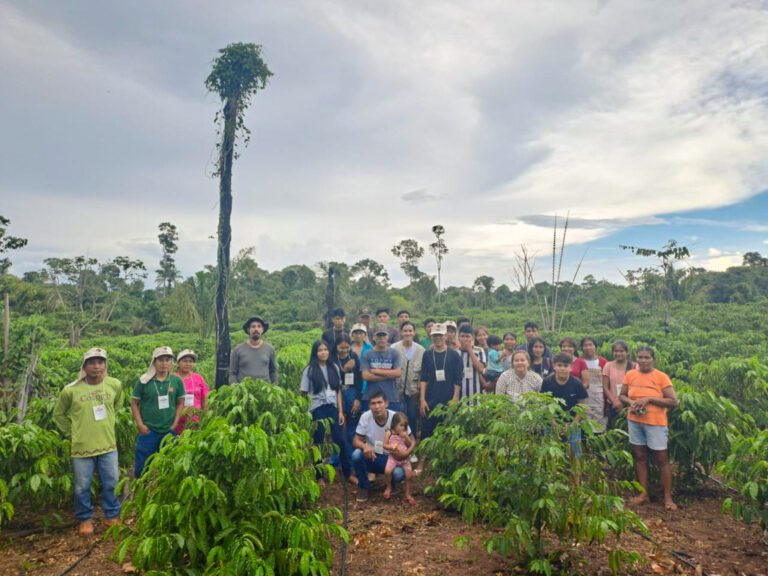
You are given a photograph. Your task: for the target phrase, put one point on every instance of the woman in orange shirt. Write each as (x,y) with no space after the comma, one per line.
(649,394)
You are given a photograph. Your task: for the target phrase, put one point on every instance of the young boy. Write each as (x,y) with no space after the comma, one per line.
(570,390)
(86,410)
(473,362)
(495,361)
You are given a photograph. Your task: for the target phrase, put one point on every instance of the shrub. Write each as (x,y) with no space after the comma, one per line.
(746,470)
(34,469)
(505,464)
(236,497)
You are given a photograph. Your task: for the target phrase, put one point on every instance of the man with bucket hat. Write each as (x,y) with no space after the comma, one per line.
(156,403)
(86,411)
(254,358)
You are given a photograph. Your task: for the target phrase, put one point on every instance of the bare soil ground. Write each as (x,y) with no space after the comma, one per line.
(391,538)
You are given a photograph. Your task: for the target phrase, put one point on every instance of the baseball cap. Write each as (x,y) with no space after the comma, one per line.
(438,328)
(92,353)
(359,328)
(380,329)
(364,311)
(156,353)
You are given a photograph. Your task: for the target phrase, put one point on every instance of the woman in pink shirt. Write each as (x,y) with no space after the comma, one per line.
(196,389)
(613,377)
(589,369)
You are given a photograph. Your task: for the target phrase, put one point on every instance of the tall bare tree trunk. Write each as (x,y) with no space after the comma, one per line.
(330,297)
(223,346)
(6,323)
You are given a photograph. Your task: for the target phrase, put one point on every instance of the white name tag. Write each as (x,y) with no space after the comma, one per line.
(189,399)
(99,412)
(349,379)
(163,402)
(378,447)
(469,373)
(440,375)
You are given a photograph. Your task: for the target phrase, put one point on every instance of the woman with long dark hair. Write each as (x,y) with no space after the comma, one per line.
(348,364)
(540,363)
(649,394)
(589,369)
(322,382)
(613,376)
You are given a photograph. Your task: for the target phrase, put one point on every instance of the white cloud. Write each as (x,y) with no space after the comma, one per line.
(382,120)
(716,259)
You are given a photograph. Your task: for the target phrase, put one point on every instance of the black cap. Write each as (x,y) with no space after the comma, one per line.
(253,319)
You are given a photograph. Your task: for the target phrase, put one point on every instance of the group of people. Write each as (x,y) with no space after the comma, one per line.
(86,411)
(351,372)
(378,387)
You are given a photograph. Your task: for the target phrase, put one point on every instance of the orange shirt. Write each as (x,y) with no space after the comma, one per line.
(642,385)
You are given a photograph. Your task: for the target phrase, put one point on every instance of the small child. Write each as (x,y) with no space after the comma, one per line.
(495,361)
(394,438)
(196,390)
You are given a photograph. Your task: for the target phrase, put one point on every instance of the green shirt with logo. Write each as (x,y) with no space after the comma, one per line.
(158,419)
(87,413)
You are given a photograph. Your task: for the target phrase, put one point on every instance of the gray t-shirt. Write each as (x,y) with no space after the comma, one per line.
(257,363)
(388,359)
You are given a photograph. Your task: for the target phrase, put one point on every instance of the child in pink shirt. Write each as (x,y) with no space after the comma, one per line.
(196,397)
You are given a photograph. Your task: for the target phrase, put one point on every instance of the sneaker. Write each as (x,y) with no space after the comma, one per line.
(111,521)
(362,495)
(86,528)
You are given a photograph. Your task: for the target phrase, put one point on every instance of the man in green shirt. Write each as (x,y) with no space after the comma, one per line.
(156,403)
(85,411)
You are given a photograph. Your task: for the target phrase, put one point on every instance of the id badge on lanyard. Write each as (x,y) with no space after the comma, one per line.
(349,379)
(440,375)
(163,402)
(99,412)
(189,400)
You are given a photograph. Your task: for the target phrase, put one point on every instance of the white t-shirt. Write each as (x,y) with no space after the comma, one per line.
(372,432)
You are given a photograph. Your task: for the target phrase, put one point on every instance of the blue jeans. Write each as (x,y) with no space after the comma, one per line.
(348,396)
(412,411)
(362,466)
(337,434)
(146,446)
(574,439)
(83,468)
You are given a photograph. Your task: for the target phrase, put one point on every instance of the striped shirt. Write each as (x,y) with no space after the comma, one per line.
(471,381)
(509,383)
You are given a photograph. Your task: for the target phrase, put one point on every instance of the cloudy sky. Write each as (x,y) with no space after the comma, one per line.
(644,120)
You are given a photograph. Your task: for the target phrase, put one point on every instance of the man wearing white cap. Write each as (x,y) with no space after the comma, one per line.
(441,374)
(157,403)
(85,411)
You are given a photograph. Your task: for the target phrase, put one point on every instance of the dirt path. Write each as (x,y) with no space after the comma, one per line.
(390,538)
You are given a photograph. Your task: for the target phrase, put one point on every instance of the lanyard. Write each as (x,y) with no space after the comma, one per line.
(168,383)
(434,359)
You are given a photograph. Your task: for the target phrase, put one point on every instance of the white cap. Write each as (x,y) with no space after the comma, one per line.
(359,327)
(186,352)
(156,353)
(92,353)
(438,328)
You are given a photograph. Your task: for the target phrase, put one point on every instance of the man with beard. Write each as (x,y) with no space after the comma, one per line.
(254,358)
